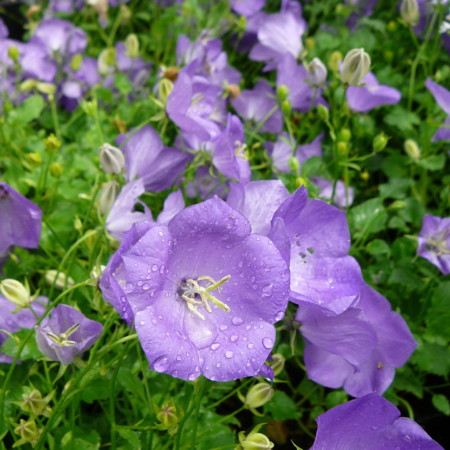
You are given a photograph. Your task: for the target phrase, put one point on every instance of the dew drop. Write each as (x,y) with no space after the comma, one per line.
(267,290)
(154,268)
(142,322)
(268,343)
(279,316)
(179,358)
(215,346)
(250,345)
(191,377)
(229,354)
(223,327)
(234,338)
(146,287)
(237,320)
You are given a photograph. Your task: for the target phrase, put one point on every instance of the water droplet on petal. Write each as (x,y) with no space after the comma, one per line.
(237,320)
(191,377)
(178,357)
(229,354)
(267,290)
(268,343)
(234,338)
(160,364)
(154,268)
(249,345)
(223,327)
(215,346)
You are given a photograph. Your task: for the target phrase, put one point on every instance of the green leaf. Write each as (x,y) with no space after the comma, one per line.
(30,350)
(395,188)
(368,217)
(441,403)
(131,437)
(281,407)
(402,119)
(97,389)
(122,84)
(432,358)
(378,247)
(433,162)
(29,110)
(438,315)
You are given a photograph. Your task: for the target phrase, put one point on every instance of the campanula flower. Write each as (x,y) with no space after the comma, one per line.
(442,97)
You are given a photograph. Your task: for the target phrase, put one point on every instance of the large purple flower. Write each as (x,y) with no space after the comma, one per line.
(203,291)
(434,242)
(20,222)
(442,96)
(357,349)
(370,423)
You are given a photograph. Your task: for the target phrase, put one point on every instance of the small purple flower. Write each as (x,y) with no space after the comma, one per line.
(372,94)
(306,151)
(434,242)
(343,195)
(203,292)
(370,423)
(14,321)
(442,96)
(247,7)
(281,152)
(3,29)
(20,222)
(66,334)
(206,184)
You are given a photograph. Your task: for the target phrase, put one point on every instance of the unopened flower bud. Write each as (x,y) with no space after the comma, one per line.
(258,395)
(52,143)
(379,142)
(15,292)
(27,85)
(323,112)
(165,87)
(294,164)
(56,169)
(112,159)
(334,60)
(398,204)
(409,10)
(34,158)
(317,72)
(345,135)
(171,73)
(412,150)
(282,93)
(365,175)
(76,61)
(286,107)
(106,59)
(61,281)
(168,416)
(355,66)
(342,148)
(310,43)
(132,45)
(46,88)
(254,440)
(125,14)
(108,196)
(277,364)
(13,53)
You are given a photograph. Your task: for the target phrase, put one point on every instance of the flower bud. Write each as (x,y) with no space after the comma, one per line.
(27,85)
(35,404)
(286,107)
(125,14)
(132,46)
(56,169)
(379,142)
(334,60)
(355,66)
(112,159)
(258,395)
(310,43)
(46,88)
(323,112)
(409,10)
(282,93)
(317,72)
(254,440)
(16,293)
(34,158)
(412,149)
(106,59)
(398,204)
(108,196)
(13,53)
(342,148)
(168,416)
(365,175)
(165,87)
(28,432)
(76,61)
(52,143)
(345,135)
(294,164)
(277,364)
(61,281)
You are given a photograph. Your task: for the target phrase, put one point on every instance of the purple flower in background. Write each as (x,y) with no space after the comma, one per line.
(203,291)
(13,322)
(434,242)
(343,195)
(260,106)
(370,423)
(281,152)
(357,349)
(206,184)
(66,334)
(148,159)
(306,151)
(373,94)
(442,96)
(247,7)
(20,222)
(362,8)
(3,29)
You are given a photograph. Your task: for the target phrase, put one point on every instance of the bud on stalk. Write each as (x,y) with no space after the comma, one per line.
(15,292)
(355,66)
(112,159)
(409,10)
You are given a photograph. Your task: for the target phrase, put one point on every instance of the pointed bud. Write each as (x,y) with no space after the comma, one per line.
(323,112)
(27,85)
(342,148)
(254,440)
(379,142)
(258,395)
(46,88)
(125,14)
(13,53)
(112,159)
(355,66)
(56,169)
(168,416)
(277,364)
(317,72)
(108,196)
(61,280)
(412,150)
(282,93)
(294,165)
(132,46)
(52,143)
(76,61)
(106,60)
(409,10)
(16,293)
(286,107)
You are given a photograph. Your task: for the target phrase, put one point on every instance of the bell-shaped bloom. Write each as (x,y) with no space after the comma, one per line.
(306,151)
(247,7)
(370,423)
(206,185)
(357,349)
(281,152)
(260,106)
(66,334)
(203,292)
(442,97)
(343,195)
(434,242)
(20,222)
(372,94)
(147,158)
(13,321)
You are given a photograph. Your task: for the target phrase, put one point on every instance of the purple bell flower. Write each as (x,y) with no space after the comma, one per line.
(370,423)
(206,185)
(13,322)
(66,334)
(434,242)
(281,152)
(442,96)
(203,292)
(20,222)
(306,151)
(343,195)
(373,94)
(247,7)
(3,30)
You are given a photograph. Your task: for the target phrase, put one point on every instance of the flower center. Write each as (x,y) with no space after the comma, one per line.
(437,243)
(62,339)
(196,294)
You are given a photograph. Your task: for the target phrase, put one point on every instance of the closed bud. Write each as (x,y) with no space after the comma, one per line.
(35,404)
(171,73)
(13,53)
(294,164)
(106,60)
(132,46)
(34,158)
(282,92)
(258,395)
(300,181)
(379,142)
(168,416)
(345,135)
(342,148)
(52,143)
(15,292)
(310,43)
(46,88)
(112,159)
(254,440)
(56,169)
(323,112)
(108,196)
(59,279)
(391,26)
(365,175)
(355,66)
(286,107)
(409,10)
(412,150)
(165,87)
(317,72)
(78,224)
(277,364)
(398,204)
(125,14)
(76,61)
(334,60)
(27,85)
